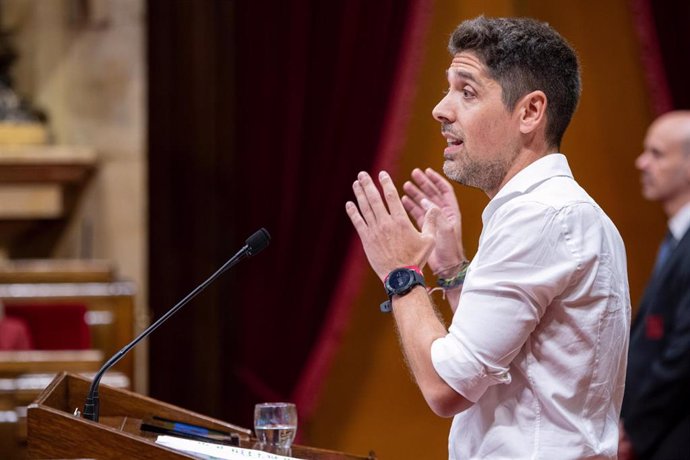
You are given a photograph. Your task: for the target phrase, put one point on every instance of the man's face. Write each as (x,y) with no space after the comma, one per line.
(664,163)
(483,136)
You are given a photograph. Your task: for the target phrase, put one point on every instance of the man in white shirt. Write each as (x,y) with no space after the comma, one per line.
(656,408)
(533,365)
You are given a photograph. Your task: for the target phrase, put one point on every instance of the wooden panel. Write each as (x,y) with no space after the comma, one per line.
(40,186)
(46,163)
(30,201)
(55,432)
(56,271)
(78,437)
(13,363)
(110,311)
(24,375)
(110,315)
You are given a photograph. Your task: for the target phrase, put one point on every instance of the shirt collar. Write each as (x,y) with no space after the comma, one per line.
(680,222)
(546,167)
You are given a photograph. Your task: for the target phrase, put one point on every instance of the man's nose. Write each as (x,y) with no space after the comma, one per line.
(442,112)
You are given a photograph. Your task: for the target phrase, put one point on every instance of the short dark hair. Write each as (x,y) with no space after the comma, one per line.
(525,55)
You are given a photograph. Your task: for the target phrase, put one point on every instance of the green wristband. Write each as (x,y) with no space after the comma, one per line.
(457,280)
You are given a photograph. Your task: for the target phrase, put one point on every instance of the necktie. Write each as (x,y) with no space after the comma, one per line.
(665,251)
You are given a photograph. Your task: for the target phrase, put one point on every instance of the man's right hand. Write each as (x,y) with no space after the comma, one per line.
(429,188)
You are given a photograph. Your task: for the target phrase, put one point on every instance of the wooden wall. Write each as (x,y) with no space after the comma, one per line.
(83,64)
(369,400)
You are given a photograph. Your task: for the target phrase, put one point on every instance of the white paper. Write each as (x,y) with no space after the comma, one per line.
(213,451)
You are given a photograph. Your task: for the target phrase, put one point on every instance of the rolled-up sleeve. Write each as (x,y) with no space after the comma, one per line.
(463,372)
(511,281)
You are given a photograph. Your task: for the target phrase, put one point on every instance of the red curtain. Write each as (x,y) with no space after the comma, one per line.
(664,48)
(319,85)
(261,115)
(390,142)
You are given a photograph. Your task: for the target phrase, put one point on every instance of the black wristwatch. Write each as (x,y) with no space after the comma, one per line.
(399,282)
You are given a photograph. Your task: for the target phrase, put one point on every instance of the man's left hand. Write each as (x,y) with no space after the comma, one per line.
(389,238)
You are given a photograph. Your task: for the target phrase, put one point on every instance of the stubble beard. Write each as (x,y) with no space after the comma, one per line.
(485,175)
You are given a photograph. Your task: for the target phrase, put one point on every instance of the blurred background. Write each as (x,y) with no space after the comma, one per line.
(141,142)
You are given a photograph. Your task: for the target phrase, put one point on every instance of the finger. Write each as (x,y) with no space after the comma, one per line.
(427,185)
(395,206)
(420,177)
(412,206)
(448,201)
(356,218)
(413,192)
(363,202)
(372,195)
(414,210)
(441,183)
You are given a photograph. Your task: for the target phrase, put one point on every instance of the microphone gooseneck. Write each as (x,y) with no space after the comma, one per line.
(253,245)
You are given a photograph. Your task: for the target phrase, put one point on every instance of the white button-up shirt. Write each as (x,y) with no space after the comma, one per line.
(540,337)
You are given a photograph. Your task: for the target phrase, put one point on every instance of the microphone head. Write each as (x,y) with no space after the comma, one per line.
(258,241)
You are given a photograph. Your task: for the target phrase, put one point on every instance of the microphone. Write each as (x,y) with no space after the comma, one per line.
(256,243)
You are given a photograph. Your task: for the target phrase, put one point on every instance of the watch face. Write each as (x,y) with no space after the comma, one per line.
(400,279)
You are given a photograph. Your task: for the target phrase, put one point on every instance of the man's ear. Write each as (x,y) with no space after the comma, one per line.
(532,107)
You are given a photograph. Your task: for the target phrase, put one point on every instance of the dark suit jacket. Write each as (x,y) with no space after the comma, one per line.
(656,407)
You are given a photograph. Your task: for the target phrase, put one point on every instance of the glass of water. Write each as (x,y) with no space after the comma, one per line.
(275,423)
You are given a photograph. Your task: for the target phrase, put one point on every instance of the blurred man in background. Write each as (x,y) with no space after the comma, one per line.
(656,407)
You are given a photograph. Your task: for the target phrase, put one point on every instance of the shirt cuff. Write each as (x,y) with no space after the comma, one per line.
(461,371)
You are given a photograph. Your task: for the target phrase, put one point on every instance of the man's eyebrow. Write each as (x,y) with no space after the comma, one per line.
(463,74)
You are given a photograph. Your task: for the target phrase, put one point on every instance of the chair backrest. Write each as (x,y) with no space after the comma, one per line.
(53,325)
(109,304)
(14,335)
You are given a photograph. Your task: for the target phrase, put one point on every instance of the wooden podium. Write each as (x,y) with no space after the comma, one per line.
(54,432)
